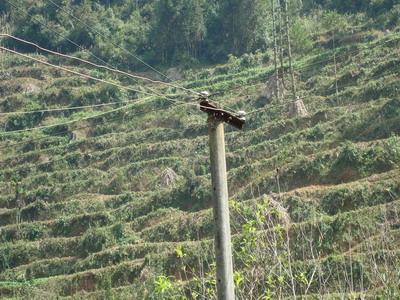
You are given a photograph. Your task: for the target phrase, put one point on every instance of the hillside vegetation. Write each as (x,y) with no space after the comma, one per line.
(115,202)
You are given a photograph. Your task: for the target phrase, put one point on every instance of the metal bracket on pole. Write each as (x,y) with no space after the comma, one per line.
(222,115)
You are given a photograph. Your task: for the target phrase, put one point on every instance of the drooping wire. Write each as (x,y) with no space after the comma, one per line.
(88,77)
(313,64)
(94,78)
(75,72)
(60,109)
(93,30)
(127,73)
(94,64)
(59,34)
(137,113)
(73,121)
(90,53)
(79,128)
(323,61)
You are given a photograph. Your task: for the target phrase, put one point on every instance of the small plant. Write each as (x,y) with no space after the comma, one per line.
(238,279)
(162,284)
(179,251)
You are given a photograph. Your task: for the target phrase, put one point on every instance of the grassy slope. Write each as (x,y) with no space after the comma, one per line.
(97,215)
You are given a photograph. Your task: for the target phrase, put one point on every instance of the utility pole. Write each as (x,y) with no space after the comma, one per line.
(280,30)
(223,249)
(335,63)
(286,11)
(277,88)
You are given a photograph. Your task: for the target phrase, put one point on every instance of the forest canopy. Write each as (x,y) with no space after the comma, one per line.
(170,31)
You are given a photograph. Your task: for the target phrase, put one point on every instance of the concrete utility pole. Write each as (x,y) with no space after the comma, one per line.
(223,250)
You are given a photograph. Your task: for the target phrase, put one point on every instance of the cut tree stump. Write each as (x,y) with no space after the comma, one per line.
(298,109)
(168,177)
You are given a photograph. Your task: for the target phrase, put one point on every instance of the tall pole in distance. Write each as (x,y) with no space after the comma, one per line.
(277,87)
(289,48)
(223,249)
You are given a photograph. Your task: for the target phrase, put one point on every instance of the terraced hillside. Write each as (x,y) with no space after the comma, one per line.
(117,204)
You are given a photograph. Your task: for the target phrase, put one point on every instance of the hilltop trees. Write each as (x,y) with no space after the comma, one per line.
(244,25)
(179,28)
(372,7)
(172,31)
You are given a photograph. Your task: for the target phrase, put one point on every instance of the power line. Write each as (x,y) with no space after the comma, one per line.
(96,65)
(71,121)
(89,77)
(77,120)
(316,63)
(78,128)
(67,108)
(85,50)
(301,98)
(306,66)
(70,13)
(304,97)
(250,113)
(75,72)
(59,34)
(94,78)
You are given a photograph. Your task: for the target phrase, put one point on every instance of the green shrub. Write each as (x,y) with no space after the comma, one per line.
(300,210)
(94,240)
(118,231)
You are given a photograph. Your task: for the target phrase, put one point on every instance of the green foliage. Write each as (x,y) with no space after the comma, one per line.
(301,36)
(243,24)
(372,7)
(300,210)
(165,289)
(345,199)
(118,232)
(179,251)
(162,285)
(238,279)
(179,29)
(94,240)
(334,22)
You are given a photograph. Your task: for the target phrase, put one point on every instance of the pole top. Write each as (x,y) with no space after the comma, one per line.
(219,114)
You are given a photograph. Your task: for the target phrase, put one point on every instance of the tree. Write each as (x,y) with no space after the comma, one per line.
(301,35)
(243,25)
(130,34)
(178,28)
